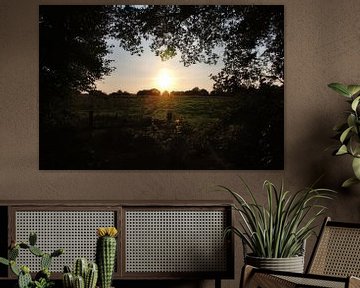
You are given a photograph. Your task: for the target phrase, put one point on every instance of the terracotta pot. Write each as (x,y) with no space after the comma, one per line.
(291,264)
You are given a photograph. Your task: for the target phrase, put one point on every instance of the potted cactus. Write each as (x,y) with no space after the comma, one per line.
(106,254)
(84,275)
(42,278)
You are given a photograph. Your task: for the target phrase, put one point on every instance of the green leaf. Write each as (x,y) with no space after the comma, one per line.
(353,89)
(4,261)
(279,228)
(340,88)
(354,145)
(349,182)
(351,120)
(355,103)
(342,150)
(345,134)
(356,167)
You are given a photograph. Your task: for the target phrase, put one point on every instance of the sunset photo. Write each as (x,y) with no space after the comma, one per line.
(161,87)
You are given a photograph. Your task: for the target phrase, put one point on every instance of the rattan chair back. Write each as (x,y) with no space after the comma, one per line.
(337,252)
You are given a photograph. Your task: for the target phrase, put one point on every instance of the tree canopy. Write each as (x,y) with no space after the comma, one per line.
(72,55)
(73,46)
(248,38)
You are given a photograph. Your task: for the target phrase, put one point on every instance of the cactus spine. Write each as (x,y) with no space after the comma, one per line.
(106,254)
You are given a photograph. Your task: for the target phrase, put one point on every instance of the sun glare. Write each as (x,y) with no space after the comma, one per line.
(164,79)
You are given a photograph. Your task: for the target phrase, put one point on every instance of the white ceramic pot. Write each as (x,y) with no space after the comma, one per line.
(291,264)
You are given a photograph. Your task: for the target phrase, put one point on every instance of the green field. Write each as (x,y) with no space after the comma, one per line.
(195,110)
(169,132)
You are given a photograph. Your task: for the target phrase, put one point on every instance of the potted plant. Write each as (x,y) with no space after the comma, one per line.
(276,233)
(349,132)
(42,278)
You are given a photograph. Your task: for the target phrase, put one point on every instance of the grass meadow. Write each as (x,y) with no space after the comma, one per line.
(168,132)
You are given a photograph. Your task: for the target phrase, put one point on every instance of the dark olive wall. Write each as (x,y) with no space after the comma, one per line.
(322,45)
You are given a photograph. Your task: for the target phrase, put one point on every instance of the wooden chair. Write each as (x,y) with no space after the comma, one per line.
(334,263)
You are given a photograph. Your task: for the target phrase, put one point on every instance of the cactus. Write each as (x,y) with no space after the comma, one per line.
(91,276)
(24,277)
(88,273)
(13,253)
(42,278)
(24,280)
(105,254)
(57,252)
(79,282)
(36,251)
(80,268)
(32,238)
(14,268)
(45,261)
(67,269)
(24,245)
(68,280)
(44,273)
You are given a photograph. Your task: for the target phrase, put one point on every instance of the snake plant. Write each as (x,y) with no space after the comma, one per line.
(279,228)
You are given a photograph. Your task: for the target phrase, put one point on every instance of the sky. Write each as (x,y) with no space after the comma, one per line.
(133,73)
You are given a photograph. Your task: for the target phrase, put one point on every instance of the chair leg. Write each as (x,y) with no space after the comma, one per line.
(246,274)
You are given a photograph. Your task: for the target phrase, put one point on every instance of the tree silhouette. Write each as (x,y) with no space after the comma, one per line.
(72,50)
(250,38)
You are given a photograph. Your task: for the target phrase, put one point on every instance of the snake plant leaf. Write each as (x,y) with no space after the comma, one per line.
(353,89)
(356,167)
(349,182)
(341,89)
(342,150)
(355,103)
(278,228)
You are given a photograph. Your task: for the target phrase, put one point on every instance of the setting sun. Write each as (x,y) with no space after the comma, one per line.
(164,79)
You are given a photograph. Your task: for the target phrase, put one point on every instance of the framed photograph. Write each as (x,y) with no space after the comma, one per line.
(161,87)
